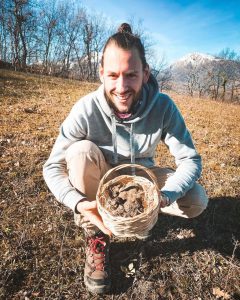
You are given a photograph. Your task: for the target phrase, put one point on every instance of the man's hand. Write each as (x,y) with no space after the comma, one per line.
(89,210)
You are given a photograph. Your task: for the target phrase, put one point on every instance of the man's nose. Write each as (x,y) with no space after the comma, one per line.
(121,85)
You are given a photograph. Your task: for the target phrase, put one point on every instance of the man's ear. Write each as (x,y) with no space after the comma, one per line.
(101,73)
(146,74)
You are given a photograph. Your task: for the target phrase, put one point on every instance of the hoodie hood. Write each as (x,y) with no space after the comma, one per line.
(149,96)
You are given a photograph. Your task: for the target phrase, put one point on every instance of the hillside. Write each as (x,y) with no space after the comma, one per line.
(42,252)
(193,58)
(207,76)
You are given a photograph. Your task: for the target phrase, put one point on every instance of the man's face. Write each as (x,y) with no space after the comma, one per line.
(123,76)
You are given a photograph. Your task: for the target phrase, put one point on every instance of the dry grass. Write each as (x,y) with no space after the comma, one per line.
(42,252)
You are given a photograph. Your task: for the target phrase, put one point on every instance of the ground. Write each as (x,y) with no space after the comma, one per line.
(42,251)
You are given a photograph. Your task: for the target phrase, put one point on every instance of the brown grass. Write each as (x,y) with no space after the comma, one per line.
(42,252)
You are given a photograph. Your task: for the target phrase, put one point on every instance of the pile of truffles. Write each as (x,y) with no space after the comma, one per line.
(125,200)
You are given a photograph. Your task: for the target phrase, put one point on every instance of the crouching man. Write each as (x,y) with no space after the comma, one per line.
(122,121)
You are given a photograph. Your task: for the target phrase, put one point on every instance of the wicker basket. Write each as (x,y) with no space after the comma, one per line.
(137,226)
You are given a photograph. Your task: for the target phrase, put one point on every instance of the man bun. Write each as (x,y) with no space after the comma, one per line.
(125,28)
(125,39)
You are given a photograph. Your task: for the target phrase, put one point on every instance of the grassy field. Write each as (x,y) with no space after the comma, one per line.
(42,251)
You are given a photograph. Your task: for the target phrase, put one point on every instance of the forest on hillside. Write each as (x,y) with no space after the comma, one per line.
(62,38)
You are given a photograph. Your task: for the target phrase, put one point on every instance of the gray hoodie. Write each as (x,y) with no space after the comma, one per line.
(155,119)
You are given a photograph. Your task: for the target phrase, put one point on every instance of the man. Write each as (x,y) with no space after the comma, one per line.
(123,121)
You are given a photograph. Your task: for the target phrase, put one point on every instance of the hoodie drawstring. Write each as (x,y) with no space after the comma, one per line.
(114,142)
(132,148)
(114,139)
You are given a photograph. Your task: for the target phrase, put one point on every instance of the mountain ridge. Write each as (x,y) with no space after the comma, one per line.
(194,58)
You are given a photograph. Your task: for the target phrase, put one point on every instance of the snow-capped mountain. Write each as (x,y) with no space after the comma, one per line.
(197,61)
(191,63)
(195,58)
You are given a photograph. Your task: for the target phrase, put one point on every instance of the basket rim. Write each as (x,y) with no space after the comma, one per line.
(133,166)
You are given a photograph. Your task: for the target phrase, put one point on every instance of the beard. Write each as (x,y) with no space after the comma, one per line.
(111,100)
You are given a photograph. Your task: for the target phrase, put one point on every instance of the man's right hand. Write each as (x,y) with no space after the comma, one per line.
(89,210)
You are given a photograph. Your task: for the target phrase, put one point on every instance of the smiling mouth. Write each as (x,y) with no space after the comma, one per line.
(123,98)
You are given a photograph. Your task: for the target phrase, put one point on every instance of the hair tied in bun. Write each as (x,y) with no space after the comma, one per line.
(125,28)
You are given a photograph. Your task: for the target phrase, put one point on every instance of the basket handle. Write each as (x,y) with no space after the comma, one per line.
(123,166)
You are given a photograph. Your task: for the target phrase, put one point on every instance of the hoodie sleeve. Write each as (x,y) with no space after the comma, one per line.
(178,139)
(54,170)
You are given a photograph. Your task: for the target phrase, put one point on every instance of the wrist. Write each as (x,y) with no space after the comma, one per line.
(78,207)
(165,200)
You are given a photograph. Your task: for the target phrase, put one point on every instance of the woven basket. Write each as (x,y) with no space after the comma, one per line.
(137,226)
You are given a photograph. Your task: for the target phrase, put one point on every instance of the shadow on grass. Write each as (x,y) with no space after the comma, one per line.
(217,229)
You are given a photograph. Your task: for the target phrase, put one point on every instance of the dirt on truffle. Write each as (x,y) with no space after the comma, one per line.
(125,200)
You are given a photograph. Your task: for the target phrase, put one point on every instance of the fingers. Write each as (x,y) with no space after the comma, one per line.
(97,220)
(90,211)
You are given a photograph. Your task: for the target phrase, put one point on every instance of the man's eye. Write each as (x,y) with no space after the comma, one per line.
(132,75)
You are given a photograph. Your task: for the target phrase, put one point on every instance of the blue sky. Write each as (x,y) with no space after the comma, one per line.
(179,27)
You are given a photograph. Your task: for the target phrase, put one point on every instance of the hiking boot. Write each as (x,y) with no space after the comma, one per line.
(97,265)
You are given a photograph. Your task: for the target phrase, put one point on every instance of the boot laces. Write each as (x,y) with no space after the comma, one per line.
(97,248)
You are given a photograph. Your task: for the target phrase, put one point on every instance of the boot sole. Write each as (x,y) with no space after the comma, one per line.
(101,289)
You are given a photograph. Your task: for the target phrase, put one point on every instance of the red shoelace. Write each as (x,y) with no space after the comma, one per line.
(97,246)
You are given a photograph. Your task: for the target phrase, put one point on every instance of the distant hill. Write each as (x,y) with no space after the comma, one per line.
(190,61)
(194,58)
(206,75)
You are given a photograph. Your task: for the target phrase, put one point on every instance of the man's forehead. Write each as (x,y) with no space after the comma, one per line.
(124,61)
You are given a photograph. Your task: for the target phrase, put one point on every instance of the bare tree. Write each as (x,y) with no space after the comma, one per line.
(100,37)
(3,31)
(231,73)
(228,54)
(190,74)
(47,28)
(88,36)
(68,31)
(21,25)
(94,37)
(224,76)
(161,71)
(214,80)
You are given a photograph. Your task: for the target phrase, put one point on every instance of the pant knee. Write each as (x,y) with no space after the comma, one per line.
(81,147)
(199,200)
(191,205)
(201,195)
(195,211)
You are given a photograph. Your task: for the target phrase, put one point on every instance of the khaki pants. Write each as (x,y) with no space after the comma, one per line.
(86,166)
